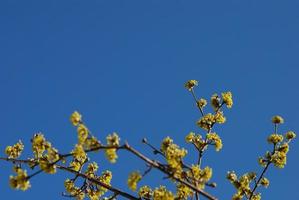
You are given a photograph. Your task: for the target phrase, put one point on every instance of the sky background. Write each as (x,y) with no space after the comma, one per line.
(123,65)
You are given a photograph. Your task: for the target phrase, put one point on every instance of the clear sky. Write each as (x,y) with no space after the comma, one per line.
(123,64)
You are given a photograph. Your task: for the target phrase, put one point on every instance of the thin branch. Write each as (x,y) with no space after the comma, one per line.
(93,180)
(259,179)
(195,99)
(159,166)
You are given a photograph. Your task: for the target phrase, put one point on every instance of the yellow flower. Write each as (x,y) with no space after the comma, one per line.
(15,151)
(79,153)
(93,194)
(201,103)
(162,193)
(105,178)
(92,169)
(173,154)
(215,140)
(277,119)
(290,135)
(52,155)
(275,138)
(207,121)
(112,140)
(91,143)
(111,155)
(219,117)
(145,192)
(76,118)
(206,174)
(265,182)
(284,148)
(46,166)
(82,133)
(189,138)
(20,181)
(262,161)
(237,196)
(231,176)
(227,98)
(39,145)
(215,101)
(133,179)
(73,190)
(183,192)
(190,84)
(256,197)
(279,159)
(75,165)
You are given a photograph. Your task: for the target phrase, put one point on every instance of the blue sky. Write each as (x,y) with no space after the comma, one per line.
(123,64)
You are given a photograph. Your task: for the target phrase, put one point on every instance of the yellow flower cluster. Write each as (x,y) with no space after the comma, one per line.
(105,178)
(82,133)
(73,190)
(84,137)
(47,162)
(227,99)
(279,156)
(173,155)
(197,140)
(242,184)
(39,145)
(20,181)
(275,138)
(214,139)
(189,85)
(279,159)
(183,192)
(45,153)
(162,193)
(207,121)
(14,151)
(133,179)
(200,176)
(79,157)
(145,192)
(113,141)
(79,154)
(94,192)
(92,169)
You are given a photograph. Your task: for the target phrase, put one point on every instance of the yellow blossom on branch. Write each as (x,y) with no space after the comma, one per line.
(39,144)
(290,135)
(227,98)
(76,118)
(145,192)
(189,85)
(162,193)
(79,153)
(277,119)
(82,133)
(113,141)
(133,179)
(20,181)
(15,151)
